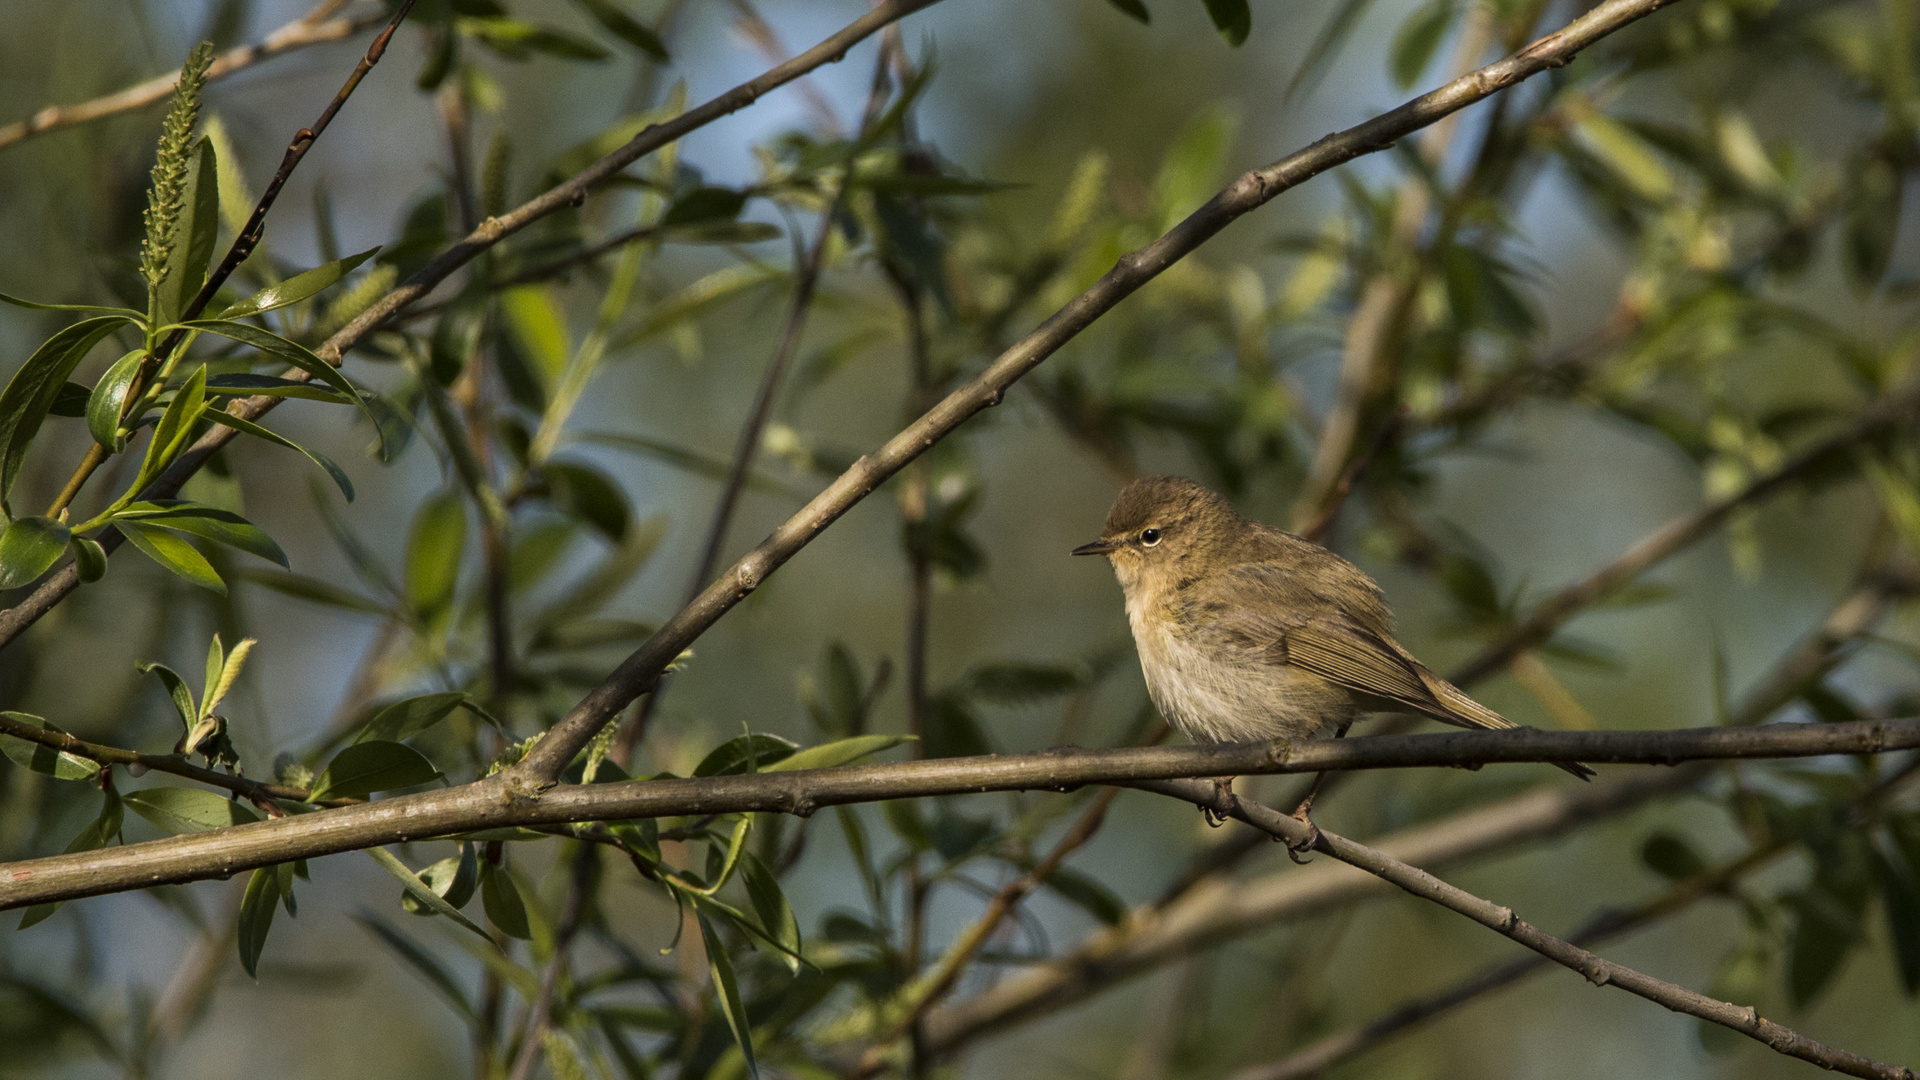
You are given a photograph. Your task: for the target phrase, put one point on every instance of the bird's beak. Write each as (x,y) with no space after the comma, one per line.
(1098,547)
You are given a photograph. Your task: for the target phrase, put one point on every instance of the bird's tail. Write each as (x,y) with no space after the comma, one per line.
(1467,712)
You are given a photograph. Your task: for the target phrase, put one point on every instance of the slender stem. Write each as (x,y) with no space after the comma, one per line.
(96,456)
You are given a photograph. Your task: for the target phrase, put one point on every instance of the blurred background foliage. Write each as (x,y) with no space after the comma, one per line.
(1547,326)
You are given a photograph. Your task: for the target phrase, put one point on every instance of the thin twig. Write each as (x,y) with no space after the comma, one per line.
(313,28)
(1326,1052)
(1503,920)
(1337,498)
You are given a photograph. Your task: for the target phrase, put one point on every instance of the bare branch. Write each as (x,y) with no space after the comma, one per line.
(313,28)
(1503,920)
(510,799)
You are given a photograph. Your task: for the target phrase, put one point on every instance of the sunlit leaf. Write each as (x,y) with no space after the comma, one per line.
(746,753)
(29,547)
(173,553)
(298,287)
(188,810)
(839,752)
(434,550)
(45,759)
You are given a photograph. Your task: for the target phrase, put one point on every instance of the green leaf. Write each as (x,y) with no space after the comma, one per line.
(839,752)
(770,904)
(419,890)
(298,287)
(177,690)
(1899,883)
(537,329)
(1189,173)
(1231,18)
(589,495)
(131,315)
(713,466)
(89,559)
(70,400)
(623,26)
(188,810)
(312,590)
(704,204)
(729,991)
(1872,219)
(1014,682)
(30,393)
(207,522)
(952,730)
(1134,9)
(173,553)
(1627,155)
(420,960)
(410,717)
(256,916)
(453,879)
(500,895)
(221,416)
(745,753)
(29,547)
(375,765)
(195,235)
(109,398)
(242,384)
(45,759)
(433,553)
(1671,857)
(289,351)
(1419,38)
(174,433)
(1088,894)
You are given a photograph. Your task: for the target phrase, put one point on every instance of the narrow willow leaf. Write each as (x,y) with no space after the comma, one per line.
(410,717)
(420,960)
(434,550)
(290,351)
(177,689)
(256,916)
(1090,895)
(30,393)
(45,759)
(89,559)
(211,523)
(1232,18)
(453,879)
(298,287)
(247,385)
(419,890)
(173,553)
(188,810)
(367,767)
(109,398)
(745,753)
(770,904)
(838,752)
(70,400)
(28,548)
(729,992)
(174,433)
(131,315)
(617,22)
(591,496)
(1419,38)
(500,896)
(221,416)
(312,590)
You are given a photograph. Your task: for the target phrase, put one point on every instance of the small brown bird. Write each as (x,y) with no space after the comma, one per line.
(1248,633)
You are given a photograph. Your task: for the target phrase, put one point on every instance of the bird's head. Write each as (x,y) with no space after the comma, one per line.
(1163,525)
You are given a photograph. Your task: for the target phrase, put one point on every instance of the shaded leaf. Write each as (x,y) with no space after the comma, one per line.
(1419,38)
(89,559)
(30,393)
(221,416)
(746,753)
(207,522)
(500,895)
(45,759)
(419,890)
(1671,857)
(586,493)
(728,992)
(770,904)
(174,433)
(453,879)
(173,553)
(256,916)
(313,590)
(1088,894)
(109,398)
(617,22)
(29,547)
(188,810)
(1232,18)
(419,960)
(434,550)
(366,767)
(410,717)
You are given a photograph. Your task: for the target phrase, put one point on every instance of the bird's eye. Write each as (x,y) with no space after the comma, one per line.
(1149,537)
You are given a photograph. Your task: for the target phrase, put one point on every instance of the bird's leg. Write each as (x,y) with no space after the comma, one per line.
(1222,791)
(1300,813)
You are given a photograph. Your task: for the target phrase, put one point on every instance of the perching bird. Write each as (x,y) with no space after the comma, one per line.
(1248,633)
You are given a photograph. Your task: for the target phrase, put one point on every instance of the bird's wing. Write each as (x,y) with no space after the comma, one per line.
(1359,660)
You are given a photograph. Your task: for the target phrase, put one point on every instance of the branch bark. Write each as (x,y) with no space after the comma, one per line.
(1503,920)
(508,799)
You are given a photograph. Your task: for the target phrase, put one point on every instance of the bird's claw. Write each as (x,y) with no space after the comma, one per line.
(1297,848)
(1222,792)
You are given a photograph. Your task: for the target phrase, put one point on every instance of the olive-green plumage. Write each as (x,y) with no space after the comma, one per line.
(1246,632)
